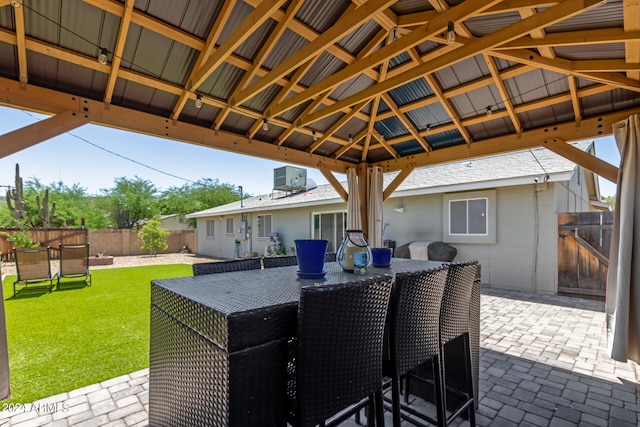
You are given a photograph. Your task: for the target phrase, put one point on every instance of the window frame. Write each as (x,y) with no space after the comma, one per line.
(489,236)
(260,224)
(210,229)
(227,222)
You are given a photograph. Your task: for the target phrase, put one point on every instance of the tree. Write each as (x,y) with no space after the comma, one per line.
(153,237)
(72,206)
(609,199)
(130,201)
(204,194)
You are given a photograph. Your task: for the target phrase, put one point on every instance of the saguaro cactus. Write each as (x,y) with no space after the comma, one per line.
(44,212)
(19,206)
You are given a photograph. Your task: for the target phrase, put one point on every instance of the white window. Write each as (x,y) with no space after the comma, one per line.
(264,225)
(230,226)
(211,228)
(469,217)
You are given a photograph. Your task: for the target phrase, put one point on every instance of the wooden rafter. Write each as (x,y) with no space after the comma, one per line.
(262,55)
(18,13)
(568,131)
(574,38)
(415,37)
(632,23)
(117,53)
(540,20)
(446,105)
(538,33)
(566,67)
(344,25)
(12,142)
(504,93)
(205,53)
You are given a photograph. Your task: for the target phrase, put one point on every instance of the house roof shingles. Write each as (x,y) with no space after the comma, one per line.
(493,171)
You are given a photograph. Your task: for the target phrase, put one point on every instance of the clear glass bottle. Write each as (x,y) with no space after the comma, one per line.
(353,242)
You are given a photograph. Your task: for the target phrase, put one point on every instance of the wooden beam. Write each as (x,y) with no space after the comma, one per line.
(18,13)
(631,10)
(51,102)
(564,66)
(204,54)
(125,22)
(593,127)
(415,37)
(395,183)
(448,108)
(584,159)
(574,38)
(116,8)
(251,23)
(342,27)
(542,19)
(504,93)
(17,140)
(406,122)
(334,183)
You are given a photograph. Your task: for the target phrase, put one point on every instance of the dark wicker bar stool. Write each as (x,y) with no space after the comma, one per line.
(330,257)
(454,335)
(414,313)
(226,266)
(336,359)
(279,261)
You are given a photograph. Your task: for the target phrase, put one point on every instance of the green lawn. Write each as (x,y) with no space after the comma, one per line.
(77,336)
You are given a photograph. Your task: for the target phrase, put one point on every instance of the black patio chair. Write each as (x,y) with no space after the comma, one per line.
(413,337)
(330,257)
(279,261)
(455,362)
(336,357)
(226,266)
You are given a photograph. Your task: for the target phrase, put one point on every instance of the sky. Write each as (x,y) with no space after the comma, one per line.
(94,156)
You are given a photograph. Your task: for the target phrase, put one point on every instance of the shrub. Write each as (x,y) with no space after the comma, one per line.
(153,237)
(20,239)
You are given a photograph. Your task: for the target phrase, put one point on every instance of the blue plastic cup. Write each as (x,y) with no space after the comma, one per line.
(310,253)
(381,257)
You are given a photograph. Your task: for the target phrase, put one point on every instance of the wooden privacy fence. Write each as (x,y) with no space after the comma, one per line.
(46,237)
(112,242)
(584,239)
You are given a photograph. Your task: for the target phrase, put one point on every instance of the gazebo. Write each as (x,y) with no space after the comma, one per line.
(371,86)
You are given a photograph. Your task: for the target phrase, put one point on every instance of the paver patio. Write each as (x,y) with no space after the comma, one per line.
(543,362)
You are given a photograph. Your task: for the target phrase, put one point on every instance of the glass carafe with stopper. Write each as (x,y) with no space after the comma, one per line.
(354,244)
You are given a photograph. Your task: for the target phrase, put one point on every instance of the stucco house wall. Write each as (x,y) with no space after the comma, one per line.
(293,223)
(511,261)
(519,251)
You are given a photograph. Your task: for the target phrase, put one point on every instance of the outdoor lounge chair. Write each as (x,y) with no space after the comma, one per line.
(33,265)
(74,262)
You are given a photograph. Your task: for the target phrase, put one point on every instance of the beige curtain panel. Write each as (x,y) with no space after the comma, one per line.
(353,202)
(375,207)
(623,281)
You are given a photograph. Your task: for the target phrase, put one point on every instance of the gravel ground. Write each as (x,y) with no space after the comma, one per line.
(125,261)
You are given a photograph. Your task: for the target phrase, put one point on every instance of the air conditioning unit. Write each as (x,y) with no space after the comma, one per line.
(289,178)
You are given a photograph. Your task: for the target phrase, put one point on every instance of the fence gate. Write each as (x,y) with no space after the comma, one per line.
(583,253)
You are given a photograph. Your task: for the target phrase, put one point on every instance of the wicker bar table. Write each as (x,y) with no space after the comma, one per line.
(218,345)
